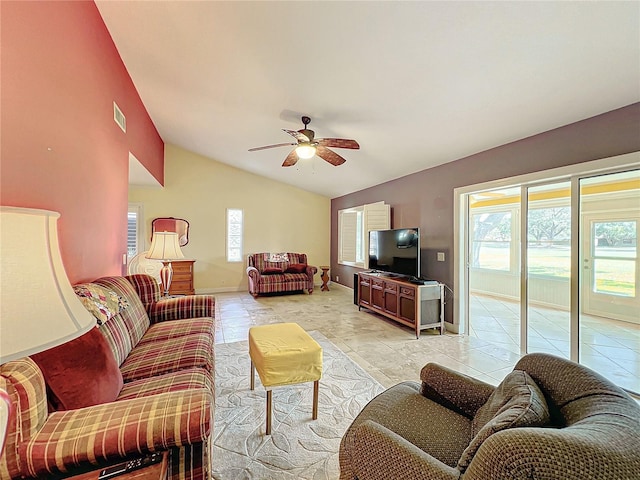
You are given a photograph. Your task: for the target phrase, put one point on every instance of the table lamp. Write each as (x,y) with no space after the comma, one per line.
(38,307)
(165,247)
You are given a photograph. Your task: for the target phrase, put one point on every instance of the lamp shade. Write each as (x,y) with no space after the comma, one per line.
(38,307)
(165,246)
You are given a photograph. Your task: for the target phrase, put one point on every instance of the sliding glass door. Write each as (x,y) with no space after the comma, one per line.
(494,304)
(548,268)
(553,267)
(610,300)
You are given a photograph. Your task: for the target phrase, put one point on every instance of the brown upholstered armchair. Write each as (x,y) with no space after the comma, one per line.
(549,419)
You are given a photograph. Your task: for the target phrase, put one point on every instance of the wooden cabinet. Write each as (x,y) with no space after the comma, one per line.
(416,306)
(364,291)
(407,304)
(390,298)
(377,293)
(182,282)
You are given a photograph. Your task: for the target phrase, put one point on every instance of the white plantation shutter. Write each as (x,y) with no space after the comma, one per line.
(132,234)
(135,229)
(377,216)
(347,232)
(353,231)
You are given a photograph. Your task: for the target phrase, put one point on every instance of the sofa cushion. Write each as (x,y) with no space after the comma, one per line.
(169,382)
(125,330)
(296,268)
(104,304)
(182,308)
(81,372)
(285,281)
(516,402)
(178,328)
(149,359)
(436,430)
(117,429)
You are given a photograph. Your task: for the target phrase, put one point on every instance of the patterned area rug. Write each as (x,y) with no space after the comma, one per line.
(298,447)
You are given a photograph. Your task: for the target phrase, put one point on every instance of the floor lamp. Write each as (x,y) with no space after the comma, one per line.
(38,307)
(165,247)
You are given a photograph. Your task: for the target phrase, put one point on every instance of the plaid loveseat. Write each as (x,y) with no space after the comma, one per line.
(279,272)
(164,349)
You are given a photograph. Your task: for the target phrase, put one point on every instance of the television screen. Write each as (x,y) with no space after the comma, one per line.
(395,251)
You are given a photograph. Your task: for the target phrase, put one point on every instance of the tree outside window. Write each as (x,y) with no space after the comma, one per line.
(492,236)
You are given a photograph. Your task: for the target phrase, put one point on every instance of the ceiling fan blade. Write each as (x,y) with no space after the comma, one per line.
(301,137)
(291,159)
(330,156)
(338,143)
(271,146)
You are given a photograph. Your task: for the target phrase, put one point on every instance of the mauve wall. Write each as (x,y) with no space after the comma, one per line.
(61,73)
(425,199)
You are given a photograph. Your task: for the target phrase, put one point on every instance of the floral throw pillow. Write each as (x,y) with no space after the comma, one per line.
(276,257)
(103,304)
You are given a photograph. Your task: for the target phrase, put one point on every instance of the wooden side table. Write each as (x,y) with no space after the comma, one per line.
(325,278)
(182,283)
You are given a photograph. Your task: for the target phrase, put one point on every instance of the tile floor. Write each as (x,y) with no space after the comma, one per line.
(608,346)
(390,352)
(385,349)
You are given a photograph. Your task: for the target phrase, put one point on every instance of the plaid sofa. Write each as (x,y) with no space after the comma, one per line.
(267,274)
(165,351)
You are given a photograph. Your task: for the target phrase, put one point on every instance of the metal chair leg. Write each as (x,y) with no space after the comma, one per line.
(268,412)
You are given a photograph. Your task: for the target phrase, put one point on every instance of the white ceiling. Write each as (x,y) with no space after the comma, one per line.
(417,84)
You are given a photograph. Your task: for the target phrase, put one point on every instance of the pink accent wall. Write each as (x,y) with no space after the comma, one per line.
(60,148)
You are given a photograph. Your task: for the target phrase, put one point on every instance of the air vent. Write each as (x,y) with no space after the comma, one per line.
(119,117)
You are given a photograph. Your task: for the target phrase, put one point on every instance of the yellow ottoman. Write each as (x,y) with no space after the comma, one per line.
(284,354)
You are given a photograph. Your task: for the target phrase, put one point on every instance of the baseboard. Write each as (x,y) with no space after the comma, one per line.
(334,284)
(210,291)
(452,327)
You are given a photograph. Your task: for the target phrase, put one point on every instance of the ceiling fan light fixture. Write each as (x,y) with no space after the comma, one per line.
(305,152)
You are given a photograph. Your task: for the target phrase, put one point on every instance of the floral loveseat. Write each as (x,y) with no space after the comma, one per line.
(279,272)
(140,382)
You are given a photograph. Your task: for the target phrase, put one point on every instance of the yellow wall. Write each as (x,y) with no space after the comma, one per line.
(277,217)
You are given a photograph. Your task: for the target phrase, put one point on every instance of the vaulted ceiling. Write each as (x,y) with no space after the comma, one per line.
(417,84)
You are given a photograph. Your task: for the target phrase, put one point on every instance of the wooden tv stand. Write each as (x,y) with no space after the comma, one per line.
(400,300)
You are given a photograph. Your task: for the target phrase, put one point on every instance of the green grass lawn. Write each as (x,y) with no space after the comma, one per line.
(613,276)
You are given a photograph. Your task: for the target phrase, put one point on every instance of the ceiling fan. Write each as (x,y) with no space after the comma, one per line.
(307,146)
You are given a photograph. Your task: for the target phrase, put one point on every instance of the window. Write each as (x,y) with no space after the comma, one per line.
(614,253)
(354,225)
(234,235)
(135,233)
(492,240)
(549,242)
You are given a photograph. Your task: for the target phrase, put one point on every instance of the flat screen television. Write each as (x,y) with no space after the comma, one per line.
(395,251)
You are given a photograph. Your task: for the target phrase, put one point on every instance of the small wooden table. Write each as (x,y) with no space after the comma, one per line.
(325,278)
